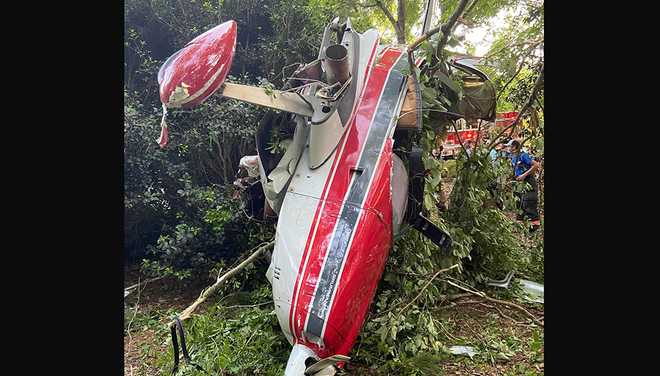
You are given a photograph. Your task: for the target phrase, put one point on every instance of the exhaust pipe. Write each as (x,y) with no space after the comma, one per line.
(336,58)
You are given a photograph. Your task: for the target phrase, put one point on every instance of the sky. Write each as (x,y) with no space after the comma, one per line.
(482,37)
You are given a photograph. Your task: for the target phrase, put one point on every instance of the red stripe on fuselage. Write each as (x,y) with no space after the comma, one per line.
(364,262)
(356,136)
(316,218)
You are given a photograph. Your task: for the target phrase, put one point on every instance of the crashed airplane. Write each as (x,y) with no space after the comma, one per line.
(340,191)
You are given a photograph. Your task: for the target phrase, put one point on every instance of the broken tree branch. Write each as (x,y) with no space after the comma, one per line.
(458,136)
(470,8)
(476,144)
(506,316)
(129,288)
(444,28)
(510,304)
(387,13)
(427,285)
(137,306)
(525,107)
(538,101)
(465,22)
(398,25)
(532,43)
(249,305)
(449,26)
(207,292)
(417,42)
(520,67)
(423,288)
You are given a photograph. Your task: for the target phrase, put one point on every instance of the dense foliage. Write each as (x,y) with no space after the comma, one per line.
(178,212)
(180,218)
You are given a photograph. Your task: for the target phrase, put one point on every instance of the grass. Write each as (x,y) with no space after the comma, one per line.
(504,347)
(240,335)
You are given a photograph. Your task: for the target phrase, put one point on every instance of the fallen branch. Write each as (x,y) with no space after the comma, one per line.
(445,297)
(538,101)
(510,304)
(532,43)
(426,285)
(452,297)
(209,291)
(503,314)
(458,137)
(387,14)
(137,306)
(448,27)
(525,107)
(469,9)
(129,288)
(456,296)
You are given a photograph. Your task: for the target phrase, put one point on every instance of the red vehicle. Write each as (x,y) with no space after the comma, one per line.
(503,120)
(465,130)
(469,130)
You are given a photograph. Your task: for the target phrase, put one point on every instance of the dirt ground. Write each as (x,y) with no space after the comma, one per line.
(503,336)
(152,300)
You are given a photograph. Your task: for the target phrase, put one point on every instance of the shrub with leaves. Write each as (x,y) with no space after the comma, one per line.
(490,234)
(238,335)
(212,228)
(401,323)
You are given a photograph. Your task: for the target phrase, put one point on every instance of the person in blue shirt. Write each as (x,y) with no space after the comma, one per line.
(524,168)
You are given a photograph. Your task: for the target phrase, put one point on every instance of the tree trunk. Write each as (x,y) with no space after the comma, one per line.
(401,22)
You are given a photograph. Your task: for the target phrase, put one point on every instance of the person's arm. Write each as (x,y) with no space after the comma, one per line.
(534,168)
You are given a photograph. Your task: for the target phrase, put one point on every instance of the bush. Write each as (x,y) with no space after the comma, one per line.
(486,244)
(177,212)
(213,228)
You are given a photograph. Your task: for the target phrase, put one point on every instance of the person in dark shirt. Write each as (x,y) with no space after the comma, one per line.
(524,168)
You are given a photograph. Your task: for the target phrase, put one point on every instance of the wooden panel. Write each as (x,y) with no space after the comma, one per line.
(409,118)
